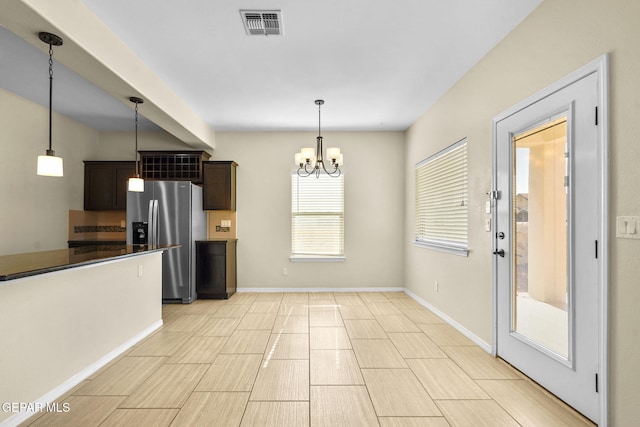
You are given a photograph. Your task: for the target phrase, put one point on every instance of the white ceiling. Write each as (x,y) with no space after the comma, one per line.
(377,64)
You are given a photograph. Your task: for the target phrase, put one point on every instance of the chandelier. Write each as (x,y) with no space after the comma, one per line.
(311,162)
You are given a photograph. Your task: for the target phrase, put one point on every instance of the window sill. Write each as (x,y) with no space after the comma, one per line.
(316,258)
(443,247)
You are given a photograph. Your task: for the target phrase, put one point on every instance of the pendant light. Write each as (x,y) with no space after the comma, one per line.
(136,183)
(309,161)
(49,164)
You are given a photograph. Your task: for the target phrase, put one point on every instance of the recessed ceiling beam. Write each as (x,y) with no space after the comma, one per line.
(95,53)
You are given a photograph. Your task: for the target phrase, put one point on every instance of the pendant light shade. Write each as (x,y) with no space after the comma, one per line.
(136,183)
(49,164)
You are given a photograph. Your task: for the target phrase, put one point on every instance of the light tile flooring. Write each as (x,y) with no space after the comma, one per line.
(300,359)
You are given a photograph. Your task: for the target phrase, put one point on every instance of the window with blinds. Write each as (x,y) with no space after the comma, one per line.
(317,216)
(441,200)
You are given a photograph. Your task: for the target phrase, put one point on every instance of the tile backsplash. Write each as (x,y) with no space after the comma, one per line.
(221,224)
(99,229)
(97,225)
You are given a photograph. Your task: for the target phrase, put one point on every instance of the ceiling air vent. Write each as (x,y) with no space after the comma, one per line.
(262,22)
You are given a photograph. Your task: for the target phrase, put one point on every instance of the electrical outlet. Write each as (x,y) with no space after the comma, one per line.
(139,270)
(285,271)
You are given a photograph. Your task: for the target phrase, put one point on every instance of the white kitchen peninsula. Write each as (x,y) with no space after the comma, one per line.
(64,314)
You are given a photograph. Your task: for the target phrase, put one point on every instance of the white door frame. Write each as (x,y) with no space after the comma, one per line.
(599,66)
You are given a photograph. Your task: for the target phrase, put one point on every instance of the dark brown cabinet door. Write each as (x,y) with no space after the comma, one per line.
(215,269)
(105,185)
(219,185)
(123,173)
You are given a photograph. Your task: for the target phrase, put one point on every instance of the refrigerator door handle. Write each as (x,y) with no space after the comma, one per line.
(151,236)
(156,224)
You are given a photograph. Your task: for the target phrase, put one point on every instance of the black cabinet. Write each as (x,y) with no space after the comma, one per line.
(215,268)
(105,184)
(219,185)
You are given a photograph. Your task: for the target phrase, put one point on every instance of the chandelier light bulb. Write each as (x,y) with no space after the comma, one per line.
(333,153)
(308,153)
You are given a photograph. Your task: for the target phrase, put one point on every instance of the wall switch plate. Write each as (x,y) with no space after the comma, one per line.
(487,224)
(487,207)
(139,270)
(628,227)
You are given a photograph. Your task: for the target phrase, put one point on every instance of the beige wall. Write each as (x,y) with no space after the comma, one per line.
(557,38)
(374,206)
(34,209)
(35,216)
(121,145)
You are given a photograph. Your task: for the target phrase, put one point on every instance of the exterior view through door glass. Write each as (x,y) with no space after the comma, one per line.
(540,183)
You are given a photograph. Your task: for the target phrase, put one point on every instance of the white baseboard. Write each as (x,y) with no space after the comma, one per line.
(60,390)
(387,289)
(482,344)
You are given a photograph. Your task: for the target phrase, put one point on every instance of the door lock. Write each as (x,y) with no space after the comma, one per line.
(501,235)
(499,252)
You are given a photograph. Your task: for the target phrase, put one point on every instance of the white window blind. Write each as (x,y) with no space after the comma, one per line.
(441,199)
(317,215)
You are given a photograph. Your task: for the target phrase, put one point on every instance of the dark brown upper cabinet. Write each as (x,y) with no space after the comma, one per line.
(219,185)
(105,184)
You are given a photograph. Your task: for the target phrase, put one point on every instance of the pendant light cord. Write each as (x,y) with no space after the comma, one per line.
(136,152)
(50,91)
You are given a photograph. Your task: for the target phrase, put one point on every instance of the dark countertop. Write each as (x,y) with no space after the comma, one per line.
(30,264)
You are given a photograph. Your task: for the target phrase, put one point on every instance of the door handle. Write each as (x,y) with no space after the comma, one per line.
(499,252)
(150,224)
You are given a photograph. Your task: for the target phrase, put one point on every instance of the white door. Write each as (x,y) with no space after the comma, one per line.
(548,241)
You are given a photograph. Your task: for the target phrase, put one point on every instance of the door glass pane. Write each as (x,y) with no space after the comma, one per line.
(540,299)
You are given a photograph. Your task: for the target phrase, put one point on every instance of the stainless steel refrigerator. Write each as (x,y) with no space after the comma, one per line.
(172,211)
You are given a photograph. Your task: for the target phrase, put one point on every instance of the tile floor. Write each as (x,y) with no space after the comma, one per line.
(308,359)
